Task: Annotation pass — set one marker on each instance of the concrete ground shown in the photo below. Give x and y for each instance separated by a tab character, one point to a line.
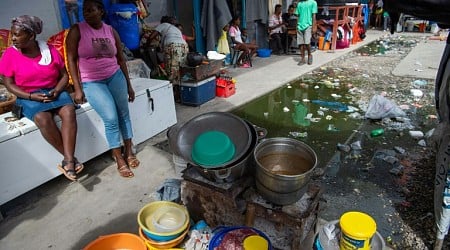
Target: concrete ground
64	215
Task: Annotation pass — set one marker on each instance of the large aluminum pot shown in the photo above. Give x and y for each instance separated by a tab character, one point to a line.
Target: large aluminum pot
233	126
242	167
284	165
279	198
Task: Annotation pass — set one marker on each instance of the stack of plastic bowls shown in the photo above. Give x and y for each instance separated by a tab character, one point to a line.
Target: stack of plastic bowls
163	224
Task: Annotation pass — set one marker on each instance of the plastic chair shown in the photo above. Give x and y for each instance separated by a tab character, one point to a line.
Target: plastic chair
235	56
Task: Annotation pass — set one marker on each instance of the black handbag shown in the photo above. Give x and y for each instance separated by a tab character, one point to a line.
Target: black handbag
17	111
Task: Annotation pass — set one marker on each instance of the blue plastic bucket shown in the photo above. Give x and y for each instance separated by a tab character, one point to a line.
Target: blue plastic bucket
123	18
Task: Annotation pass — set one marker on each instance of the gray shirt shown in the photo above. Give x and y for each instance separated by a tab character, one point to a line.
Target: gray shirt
169	34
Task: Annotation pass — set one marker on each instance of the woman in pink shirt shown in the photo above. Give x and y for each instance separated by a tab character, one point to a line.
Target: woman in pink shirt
99	71
35	73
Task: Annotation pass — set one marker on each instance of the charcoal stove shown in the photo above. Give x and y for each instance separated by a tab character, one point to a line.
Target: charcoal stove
238	203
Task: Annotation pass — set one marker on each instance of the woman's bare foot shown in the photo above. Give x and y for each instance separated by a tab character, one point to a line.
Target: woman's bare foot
123	168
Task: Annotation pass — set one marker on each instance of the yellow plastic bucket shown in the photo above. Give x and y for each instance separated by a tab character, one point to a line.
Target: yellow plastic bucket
357	229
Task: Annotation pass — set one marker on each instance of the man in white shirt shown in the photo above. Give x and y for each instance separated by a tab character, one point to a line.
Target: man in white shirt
276	26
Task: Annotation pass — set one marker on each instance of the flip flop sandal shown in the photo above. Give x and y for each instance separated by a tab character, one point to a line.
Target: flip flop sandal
78	166
310	60
125	171
68	173
133	162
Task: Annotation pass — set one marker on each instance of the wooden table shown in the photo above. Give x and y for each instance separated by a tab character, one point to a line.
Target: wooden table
343	15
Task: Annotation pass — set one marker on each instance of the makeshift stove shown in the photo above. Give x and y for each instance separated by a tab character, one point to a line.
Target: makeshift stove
238	203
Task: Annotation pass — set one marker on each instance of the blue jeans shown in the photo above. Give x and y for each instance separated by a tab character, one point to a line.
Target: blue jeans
109	98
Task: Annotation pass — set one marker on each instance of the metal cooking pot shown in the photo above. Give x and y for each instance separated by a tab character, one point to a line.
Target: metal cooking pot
241	167
234	127
284	165
279	198
194	59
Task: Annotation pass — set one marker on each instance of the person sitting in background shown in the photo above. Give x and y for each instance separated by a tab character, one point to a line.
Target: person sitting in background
248	49
244	35
276	32
290	20
174	46
35	73
186	38
99	71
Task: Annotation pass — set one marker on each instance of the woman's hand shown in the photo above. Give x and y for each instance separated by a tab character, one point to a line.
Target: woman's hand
40	97
78	97
131	94
52	95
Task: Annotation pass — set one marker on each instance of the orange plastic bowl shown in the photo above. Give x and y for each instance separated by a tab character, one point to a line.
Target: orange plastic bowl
117	241
151	244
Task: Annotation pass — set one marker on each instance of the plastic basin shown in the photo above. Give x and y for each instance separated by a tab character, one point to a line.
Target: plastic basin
264	52
151	244
213	148
145	221
117	241
220	232
168	219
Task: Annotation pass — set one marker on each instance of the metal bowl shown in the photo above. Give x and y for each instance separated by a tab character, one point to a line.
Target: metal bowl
234	127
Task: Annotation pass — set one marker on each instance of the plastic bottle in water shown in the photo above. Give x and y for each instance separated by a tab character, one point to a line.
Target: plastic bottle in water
377	132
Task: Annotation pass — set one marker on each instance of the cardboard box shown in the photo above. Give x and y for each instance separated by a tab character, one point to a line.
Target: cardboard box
199	92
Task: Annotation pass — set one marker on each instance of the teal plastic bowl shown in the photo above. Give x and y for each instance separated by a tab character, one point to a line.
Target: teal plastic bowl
212	148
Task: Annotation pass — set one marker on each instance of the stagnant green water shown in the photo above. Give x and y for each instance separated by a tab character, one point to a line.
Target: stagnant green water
286	112
283	111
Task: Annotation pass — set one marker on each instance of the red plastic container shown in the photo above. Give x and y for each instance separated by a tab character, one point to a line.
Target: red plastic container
224	88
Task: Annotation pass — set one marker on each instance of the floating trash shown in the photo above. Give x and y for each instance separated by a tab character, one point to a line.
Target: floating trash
420	83
332	128
299	134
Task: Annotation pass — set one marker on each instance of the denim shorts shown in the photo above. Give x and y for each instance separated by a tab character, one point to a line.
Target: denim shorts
30	108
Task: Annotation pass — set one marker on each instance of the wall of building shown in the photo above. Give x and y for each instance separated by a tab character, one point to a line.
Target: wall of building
47	10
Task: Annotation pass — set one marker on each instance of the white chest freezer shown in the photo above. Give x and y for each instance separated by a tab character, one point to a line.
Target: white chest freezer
153	110
27	160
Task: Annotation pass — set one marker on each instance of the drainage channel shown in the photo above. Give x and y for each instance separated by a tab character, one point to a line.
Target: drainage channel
316	109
